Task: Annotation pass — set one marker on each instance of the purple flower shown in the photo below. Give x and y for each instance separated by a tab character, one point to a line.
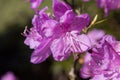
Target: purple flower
113	42
8	76
35	3
58	35
103	62
108	5
95	39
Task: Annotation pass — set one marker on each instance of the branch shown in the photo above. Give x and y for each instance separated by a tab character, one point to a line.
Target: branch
73	71
73	5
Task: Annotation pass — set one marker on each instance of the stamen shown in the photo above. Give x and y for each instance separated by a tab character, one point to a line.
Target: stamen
25	32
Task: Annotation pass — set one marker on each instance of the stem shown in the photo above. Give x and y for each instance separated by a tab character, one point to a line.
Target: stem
73	71
75	64
73	5
72	75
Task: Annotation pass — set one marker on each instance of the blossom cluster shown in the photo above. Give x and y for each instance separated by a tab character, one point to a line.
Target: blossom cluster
60	35
102	61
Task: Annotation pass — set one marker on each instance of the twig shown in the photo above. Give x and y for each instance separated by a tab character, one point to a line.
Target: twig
73	5
73	71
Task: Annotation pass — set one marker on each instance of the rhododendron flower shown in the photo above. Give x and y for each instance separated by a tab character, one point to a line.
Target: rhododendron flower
108	5
35	3
58	35
103	62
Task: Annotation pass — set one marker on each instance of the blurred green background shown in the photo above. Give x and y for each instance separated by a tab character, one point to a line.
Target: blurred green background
15	55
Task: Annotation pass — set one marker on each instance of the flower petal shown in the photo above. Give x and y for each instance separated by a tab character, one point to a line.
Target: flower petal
8	76
96	39
59	8
100	34
68	17
39	18
80	22
51	28
84	42
99	77
42	52
33	38
35	3
85	71
60	48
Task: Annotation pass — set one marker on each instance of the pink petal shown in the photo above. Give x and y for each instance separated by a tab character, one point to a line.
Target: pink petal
60	48
59	8
33	39
39	18
51	28
80	22
35	3
95	39
84	42
68	17
99	77
8	76
42	52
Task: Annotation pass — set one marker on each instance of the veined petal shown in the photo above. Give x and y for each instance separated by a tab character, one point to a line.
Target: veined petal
42	52
80	22
116	46
35	3
78	43
110	39
60	48
59	8
84	42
